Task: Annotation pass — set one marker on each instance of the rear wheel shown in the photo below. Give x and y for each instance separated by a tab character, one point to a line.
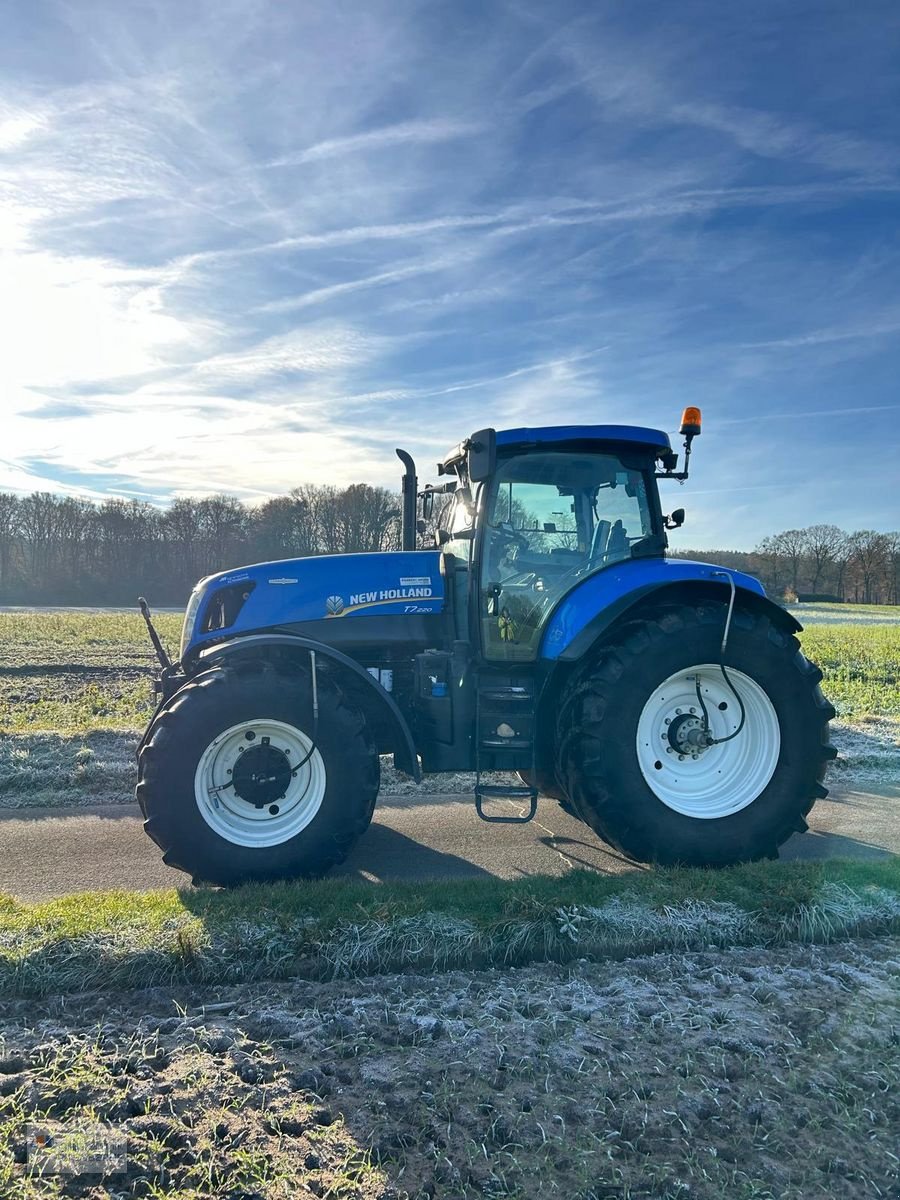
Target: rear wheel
238	781
548	785
665	782
544	781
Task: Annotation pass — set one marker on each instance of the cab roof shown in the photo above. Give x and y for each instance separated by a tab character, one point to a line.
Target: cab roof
654	438
548	435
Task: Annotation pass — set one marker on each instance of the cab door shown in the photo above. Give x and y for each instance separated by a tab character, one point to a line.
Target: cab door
550	520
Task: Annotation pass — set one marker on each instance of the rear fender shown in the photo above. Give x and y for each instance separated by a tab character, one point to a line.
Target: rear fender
592	609
371	696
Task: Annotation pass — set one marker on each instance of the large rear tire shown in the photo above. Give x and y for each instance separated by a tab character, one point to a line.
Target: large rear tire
634	773
239	782
544	781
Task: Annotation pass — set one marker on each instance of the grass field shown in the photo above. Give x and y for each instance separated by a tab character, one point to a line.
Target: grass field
74	692
748	1074
727	1063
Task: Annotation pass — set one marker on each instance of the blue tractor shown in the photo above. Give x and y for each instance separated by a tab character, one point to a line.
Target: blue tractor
663	702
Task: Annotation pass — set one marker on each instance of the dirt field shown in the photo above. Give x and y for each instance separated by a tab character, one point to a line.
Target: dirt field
750	1074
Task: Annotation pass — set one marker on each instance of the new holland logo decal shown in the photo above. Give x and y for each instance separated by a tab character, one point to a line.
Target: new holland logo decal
411	589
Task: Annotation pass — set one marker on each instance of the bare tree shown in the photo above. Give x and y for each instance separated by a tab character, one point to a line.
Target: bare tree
368	519
869	552
9	528
822	544
65	549
222	522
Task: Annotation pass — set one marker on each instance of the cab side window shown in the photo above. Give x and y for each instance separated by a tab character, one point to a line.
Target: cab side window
552	519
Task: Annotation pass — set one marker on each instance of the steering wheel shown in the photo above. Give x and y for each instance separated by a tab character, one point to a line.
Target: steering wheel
509	536
504	537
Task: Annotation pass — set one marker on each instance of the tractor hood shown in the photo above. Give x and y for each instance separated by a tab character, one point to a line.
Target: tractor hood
328	587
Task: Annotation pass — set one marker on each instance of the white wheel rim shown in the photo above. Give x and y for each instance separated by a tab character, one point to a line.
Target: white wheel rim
719	780
238	819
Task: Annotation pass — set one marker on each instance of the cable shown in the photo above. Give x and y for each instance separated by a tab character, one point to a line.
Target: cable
315	708
711	741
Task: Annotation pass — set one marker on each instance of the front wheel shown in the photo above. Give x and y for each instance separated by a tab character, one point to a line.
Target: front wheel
240	780
672	761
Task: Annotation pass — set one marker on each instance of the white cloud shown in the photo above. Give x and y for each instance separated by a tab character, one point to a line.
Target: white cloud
403	133
311	349
878	325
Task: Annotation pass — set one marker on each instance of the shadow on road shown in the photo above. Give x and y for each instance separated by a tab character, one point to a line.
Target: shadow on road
383	853
591	855
816	844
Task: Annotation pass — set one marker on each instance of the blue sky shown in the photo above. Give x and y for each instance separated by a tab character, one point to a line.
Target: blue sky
248	244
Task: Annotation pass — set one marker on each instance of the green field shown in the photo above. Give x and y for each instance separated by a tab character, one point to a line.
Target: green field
77	672
75	692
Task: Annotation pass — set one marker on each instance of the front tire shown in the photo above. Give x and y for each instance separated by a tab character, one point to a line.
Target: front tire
238	782
656	795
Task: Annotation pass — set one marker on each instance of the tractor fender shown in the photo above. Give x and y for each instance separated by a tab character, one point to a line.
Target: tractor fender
595	605
370	694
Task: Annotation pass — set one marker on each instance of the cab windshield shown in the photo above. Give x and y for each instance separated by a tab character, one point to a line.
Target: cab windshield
553	519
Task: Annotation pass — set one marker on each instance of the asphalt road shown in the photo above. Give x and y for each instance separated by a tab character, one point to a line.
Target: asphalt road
45	852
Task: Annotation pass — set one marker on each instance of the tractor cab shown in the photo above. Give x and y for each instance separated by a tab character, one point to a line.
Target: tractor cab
534	512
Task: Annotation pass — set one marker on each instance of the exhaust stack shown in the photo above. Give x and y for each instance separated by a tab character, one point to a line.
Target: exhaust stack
410	488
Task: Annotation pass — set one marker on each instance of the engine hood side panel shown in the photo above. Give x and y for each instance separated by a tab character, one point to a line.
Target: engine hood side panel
333	588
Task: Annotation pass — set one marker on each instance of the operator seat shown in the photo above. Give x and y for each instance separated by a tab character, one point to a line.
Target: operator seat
599	540
617	542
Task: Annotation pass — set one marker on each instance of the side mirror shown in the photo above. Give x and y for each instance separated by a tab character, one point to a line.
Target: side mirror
427	504
676	520
482	452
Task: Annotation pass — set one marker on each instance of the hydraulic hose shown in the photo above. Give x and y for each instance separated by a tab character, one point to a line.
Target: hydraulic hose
711	741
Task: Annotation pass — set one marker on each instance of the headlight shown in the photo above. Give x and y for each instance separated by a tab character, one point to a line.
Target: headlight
190	619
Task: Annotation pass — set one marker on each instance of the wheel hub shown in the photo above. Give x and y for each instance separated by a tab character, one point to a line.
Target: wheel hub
262	774
260	783
685	733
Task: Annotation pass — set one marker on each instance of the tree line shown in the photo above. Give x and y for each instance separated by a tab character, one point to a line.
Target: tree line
69	550
820	562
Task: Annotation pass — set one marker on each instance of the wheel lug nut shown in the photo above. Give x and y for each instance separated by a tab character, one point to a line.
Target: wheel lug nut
678	712
681	758
668	720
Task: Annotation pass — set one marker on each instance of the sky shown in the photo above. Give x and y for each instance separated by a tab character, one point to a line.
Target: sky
246	244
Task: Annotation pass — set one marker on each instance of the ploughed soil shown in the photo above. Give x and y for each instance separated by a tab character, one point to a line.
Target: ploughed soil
750	1073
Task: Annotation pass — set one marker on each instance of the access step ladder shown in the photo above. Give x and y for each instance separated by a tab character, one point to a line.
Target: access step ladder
505	732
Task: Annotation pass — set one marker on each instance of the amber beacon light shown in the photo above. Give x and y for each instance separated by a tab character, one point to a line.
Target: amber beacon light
691	421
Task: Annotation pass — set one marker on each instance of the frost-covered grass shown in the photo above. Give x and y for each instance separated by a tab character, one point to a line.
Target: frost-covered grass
82	638
335	928
868	752
862	614
749	1073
